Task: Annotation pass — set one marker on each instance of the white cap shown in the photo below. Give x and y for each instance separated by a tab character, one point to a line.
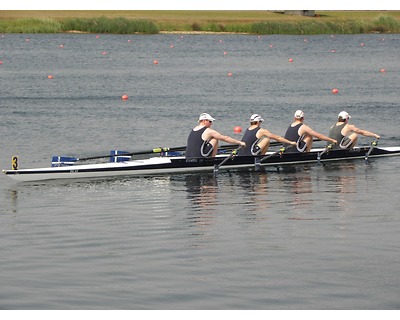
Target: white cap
206	116
344	115
256	118
299	114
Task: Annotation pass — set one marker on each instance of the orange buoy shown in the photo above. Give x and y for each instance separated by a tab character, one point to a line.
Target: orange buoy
290	60
383	70
237	129
335	91
50	76
230	74
104	53
124	97
1	62
155	61
225	53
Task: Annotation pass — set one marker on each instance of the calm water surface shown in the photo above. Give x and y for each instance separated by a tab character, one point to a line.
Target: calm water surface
311	237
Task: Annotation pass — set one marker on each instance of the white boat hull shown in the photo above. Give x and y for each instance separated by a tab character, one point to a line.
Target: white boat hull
169	165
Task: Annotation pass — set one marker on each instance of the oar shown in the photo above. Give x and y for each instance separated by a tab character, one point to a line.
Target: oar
150	151
280	152
231	156
257	161
277	143
326	150
155	150
235	146
58	161
373	145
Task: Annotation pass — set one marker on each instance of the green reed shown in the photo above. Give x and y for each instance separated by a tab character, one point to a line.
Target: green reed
384	24
110	25
30	25
89	25
121	25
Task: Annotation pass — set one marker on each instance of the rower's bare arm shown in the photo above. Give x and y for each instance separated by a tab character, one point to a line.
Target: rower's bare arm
281	139
227	139
364	132
320	136
233	141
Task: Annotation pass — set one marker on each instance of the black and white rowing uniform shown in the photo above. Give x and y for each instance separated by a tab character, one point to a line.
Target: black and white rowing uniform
196	147
292	134
336	133
251	140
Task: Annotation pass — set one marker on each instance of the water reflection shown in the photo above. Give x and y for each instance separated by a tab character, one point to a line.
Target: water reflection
301	189
297	191
202	191
13	200
343	179
256	198
312	189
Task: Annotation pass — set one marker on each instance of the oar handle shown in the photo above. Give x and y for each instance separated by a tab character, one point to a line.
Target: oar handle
374	143
280	152
231	155
326	150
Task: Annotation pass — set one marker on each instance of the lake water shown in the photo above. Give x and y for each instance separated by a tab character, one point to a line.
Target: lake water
311	237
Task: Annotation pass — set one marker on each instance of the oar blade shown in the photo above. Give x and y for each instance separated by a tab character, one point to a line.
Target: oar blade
119	156
63	161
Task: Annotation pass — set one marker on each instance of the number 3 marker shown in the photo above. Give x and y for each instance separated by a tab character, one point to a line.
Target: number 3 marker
15	163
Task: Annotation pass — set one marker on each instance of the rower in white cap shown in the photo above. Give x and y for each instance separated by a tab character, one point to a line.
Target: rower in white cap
302	134
347	134
258	139
203	141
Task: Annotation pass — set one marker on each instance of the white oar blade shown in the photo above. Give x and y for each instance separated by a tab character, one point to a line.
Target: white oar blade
62	161
119	156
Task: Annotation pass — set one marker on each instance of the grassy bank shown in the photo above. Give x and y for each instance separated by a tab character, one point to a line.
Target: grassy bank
88	25
152	22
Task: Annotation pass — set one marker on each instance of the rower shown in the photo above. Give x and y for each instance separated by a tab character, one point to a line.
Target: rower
203	141
257	139
302	134
347	134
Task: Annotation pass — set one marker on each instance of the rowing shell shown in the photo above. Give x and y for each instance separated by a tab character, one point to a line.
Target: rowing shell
162	165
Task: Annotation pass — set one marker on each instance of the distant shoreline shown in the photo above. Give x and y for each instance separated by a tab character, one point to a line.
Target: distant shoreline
199	22
201	32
